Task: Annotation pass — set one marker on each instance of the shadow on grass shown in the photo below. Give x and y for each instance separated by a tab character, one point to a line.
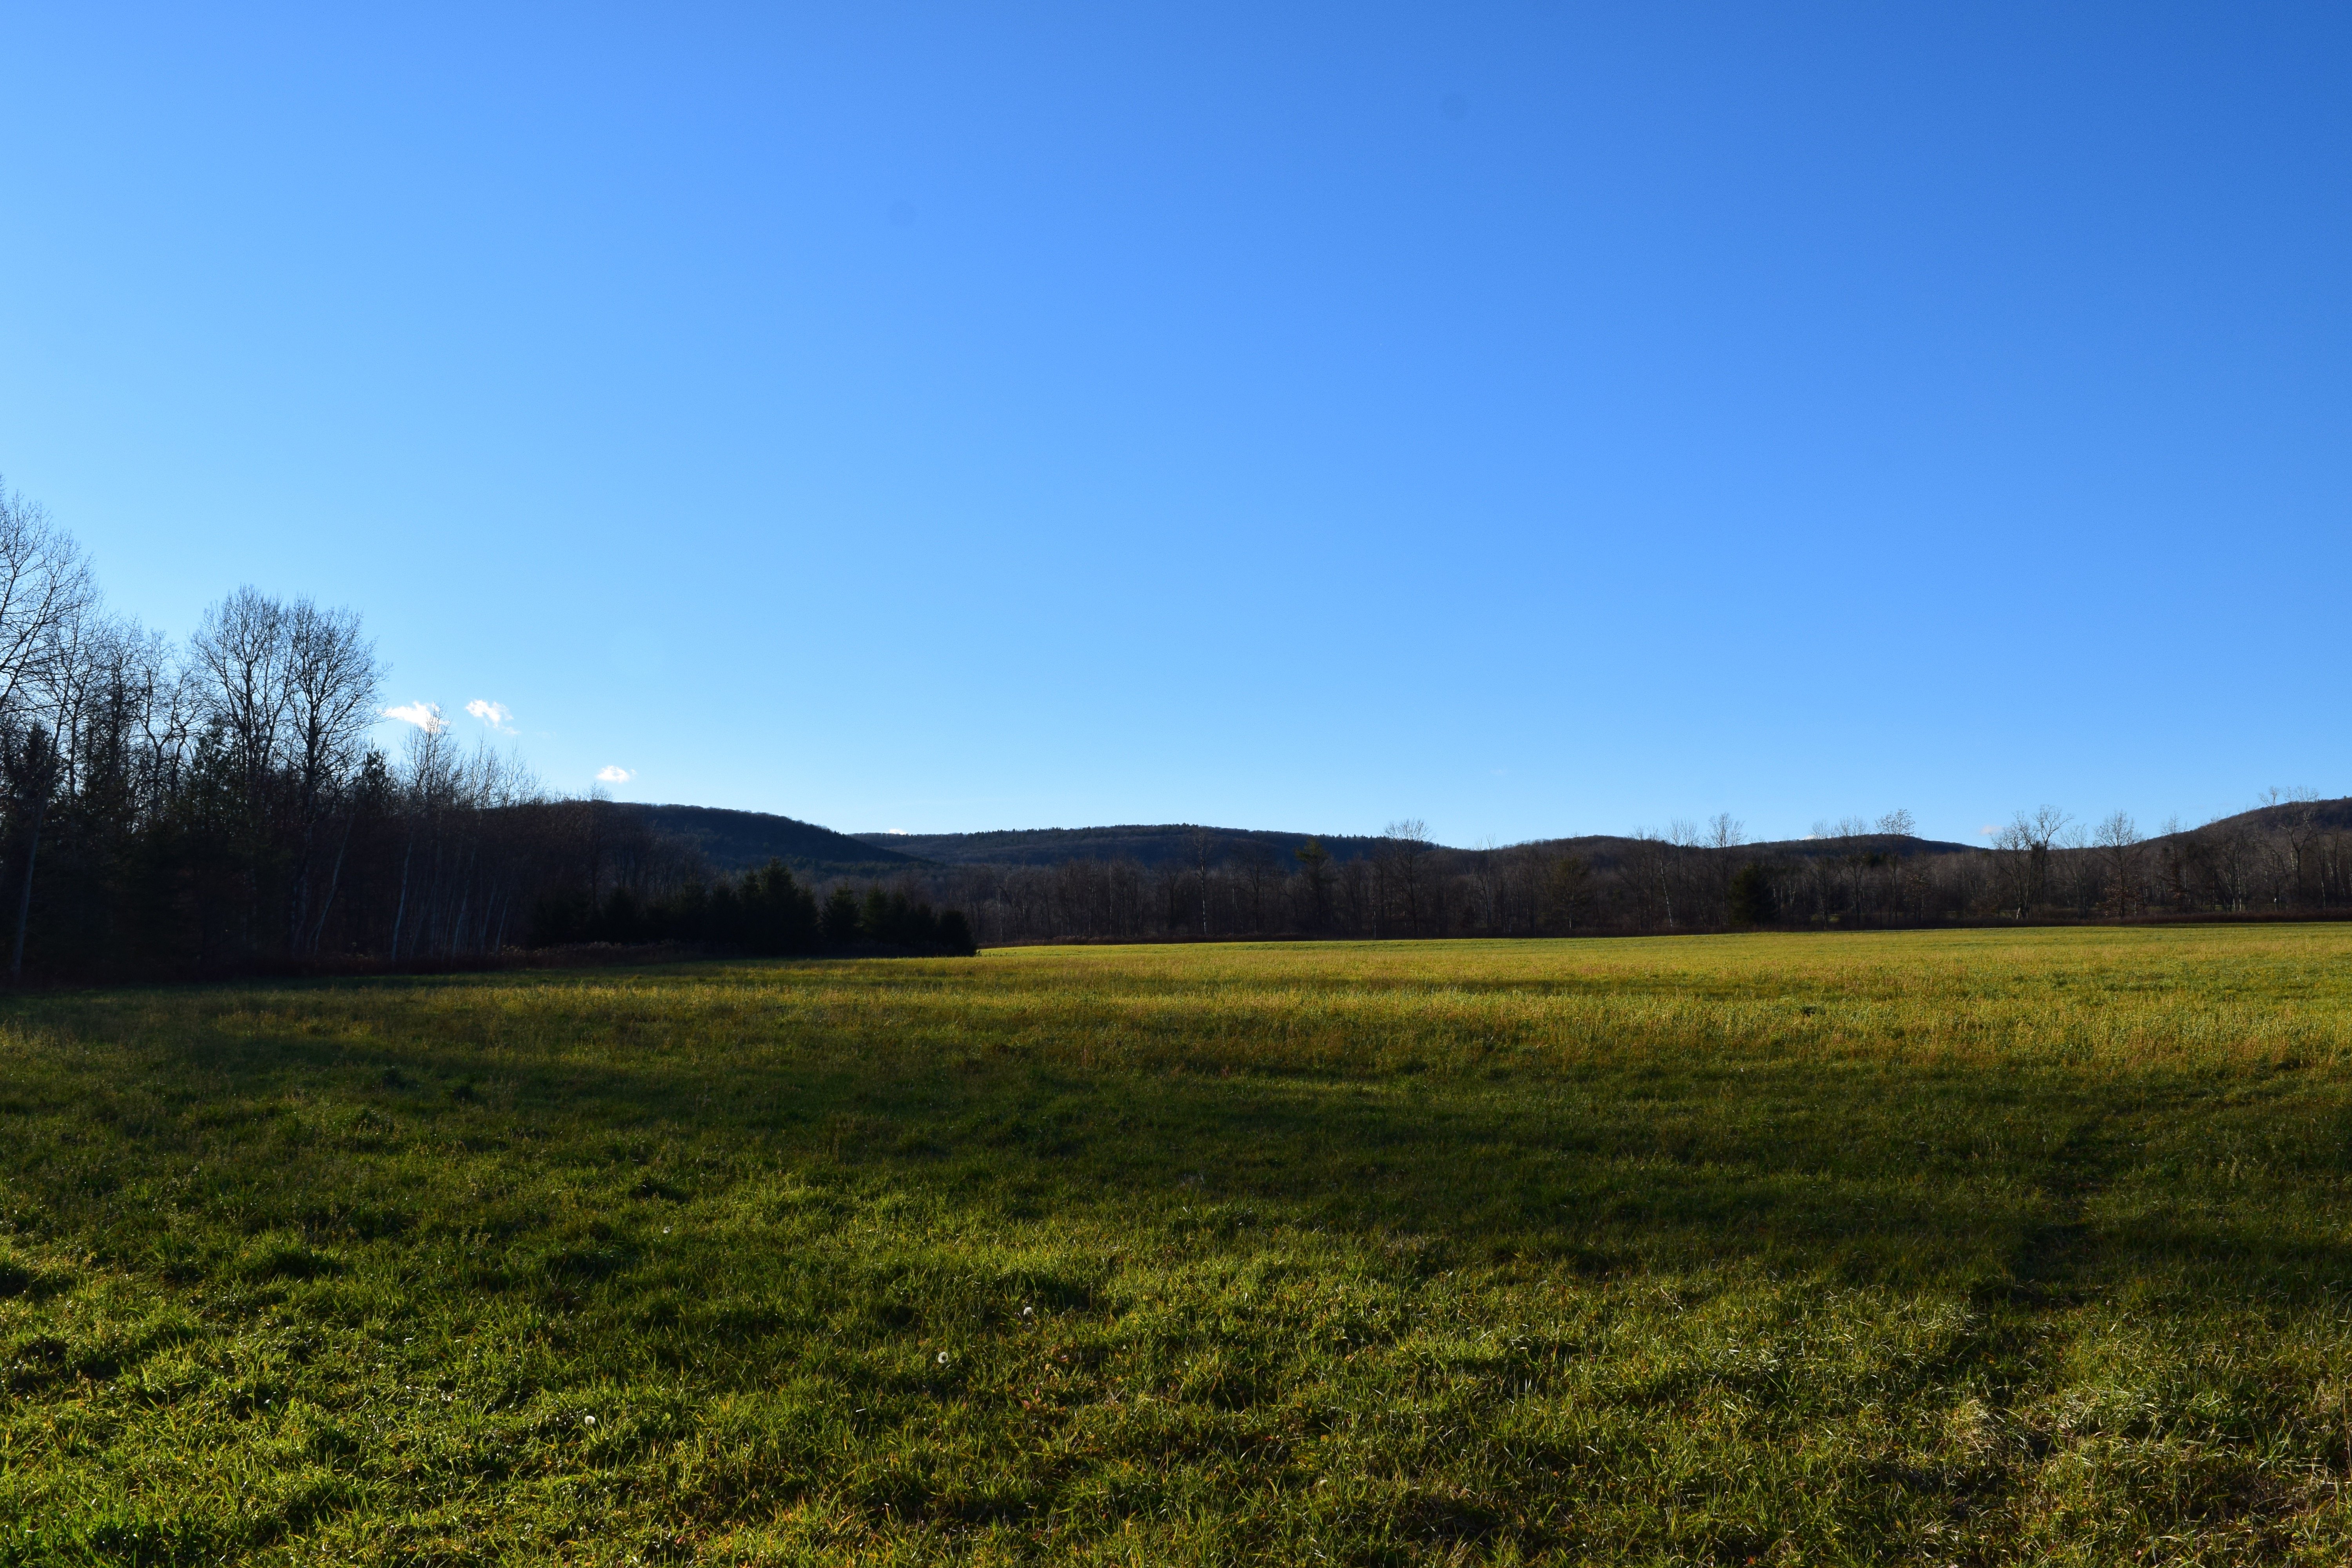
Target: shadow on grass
1968	1178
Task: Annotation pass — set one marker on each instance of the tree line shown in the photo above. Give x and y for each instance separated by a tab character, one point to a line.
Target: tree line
218	807
2291	857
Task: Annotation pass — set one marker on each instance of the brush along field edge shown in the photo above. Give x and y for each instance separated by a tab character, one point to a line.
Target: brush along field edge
1976	1248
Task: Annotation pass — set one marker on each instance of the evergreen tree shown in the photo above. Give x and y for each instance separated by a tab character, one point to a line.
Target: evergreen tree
955	934
1753	901
841	917
873	919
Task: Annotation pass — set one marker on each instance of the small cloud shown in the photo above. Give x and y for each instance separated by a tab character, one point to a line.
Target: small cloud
426	716
1988	830
497	715
615	774
898	832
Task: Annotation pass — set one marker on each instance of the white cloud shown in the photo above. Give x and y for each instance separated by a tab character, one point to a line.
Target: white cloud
615	774
497	715
426	716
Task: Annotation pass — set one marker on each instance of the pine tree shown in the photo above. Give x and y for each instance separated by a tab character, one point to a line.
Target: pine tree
841	916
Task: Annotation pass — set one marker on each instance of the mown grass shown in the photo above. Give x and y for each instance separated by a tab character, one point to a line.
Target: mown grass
1937	1248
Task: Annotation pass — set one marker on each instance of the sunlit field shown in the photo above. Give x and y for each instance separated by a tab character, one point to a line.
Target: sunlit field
1934	1248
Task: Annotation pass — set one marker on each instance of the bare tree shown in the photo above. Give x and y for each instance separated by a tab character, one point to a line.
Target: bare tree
2298	825
1650	862
1314	869
2230	853
2118	838
28	764
1567	890
1487	871
45	588
243	648
48	603
332	678
2174	865
1407	845
1360	897
1202	844
1257	872
426	785
2084	872
1724	833
2026	843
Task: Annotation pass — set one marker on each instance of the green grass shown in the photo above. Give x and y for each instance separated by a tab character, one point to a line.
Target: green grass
1934	1248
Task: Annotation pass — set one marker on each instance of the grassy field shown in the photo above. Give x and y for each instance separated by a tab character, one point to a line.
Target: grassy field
1935	1248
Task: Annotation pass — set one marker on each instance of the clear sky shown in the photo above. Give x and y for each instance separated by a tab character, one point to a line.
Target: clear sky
1536	418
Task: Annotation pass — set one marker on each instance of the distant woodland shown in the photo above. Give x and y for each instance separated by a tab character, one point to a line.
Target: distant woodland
216	806
2291	857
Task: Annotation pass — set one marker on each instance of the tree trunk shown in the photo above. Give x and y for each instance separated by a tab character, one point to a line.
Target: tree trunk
25	894
334	877
400	905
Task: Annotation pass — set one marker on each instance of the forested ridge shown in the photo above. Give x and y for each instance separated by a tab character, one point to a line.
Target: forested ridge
2292	856
219	806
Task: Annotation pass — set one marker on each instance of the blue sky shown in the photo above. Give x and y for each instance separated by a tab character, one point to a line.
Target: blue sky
1533	418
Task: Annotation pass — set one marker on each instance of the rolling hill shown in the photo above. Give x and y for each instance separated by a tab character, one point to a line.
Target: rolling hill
1161	845
1171	844
739	840
2327	816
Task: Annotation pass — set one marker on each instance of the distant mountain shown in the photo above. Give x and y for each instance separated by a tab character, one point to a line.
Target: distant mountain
1171	844
1865	843
2330	816
1165	844
1605	850
738	840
